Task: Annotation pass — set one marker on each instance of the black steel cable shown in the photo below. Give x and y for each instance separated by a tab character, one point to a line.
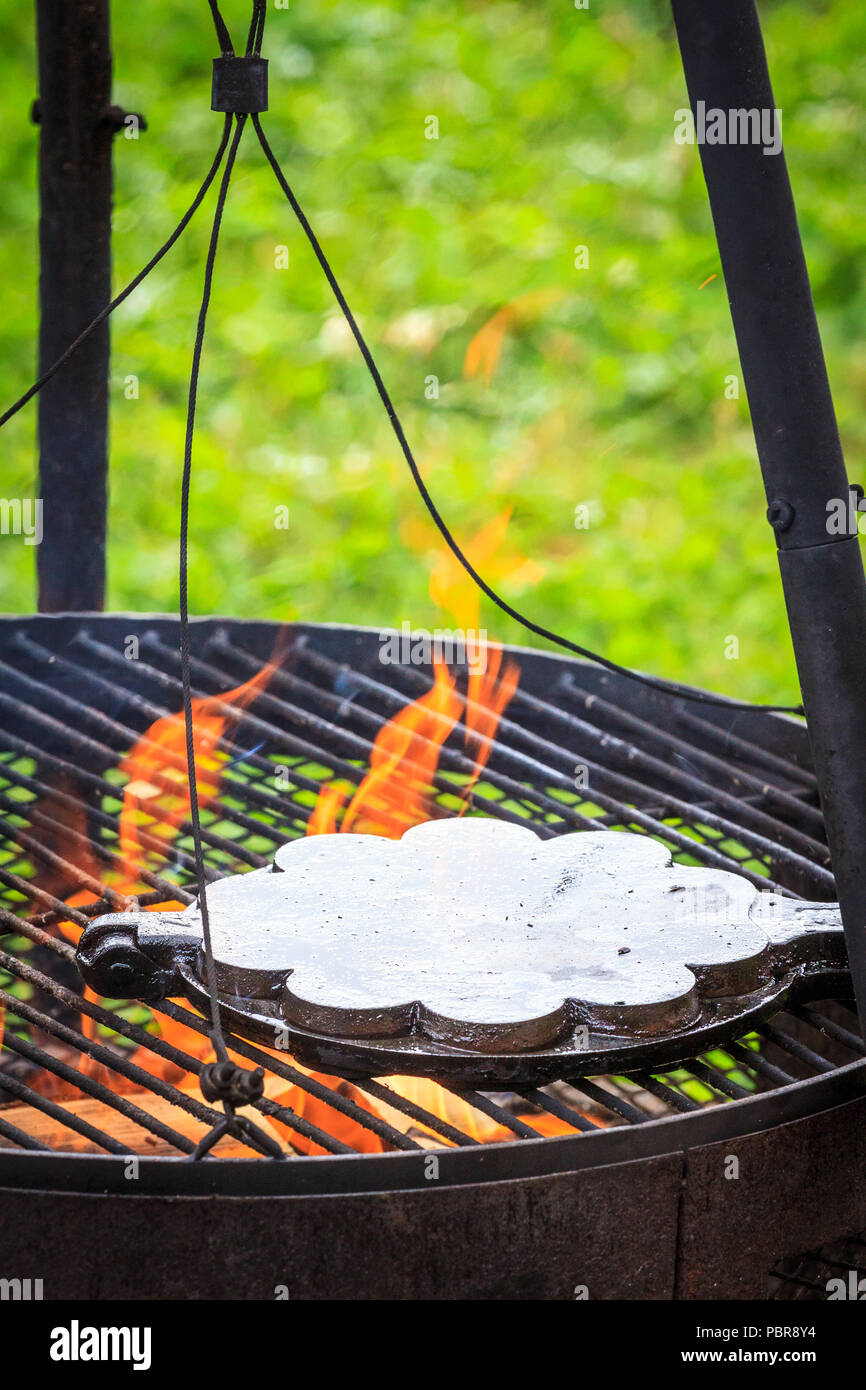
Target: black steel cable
210	972
254	37
257	29
540	631
223	36
133	284
224	1074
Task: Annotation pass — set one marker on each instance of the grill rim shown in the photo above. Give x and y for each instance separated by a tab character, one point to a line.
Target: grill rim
210	624
335	1174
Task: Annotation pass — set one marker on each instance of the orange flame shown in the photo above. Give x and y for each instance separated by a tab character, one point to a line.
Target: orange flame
156	799
489	551
156	802
451	588
334	1122
395	793
487	697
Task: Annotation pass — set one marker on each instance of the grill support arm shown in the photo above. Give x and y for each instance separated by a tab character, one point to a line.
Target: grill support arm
795	430
75	188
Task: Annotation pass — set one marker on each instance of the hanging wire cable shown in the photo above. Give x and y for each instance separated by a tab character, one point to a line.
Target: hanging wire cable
257	28
133	284
223	1081
224	38
698	697
219	1042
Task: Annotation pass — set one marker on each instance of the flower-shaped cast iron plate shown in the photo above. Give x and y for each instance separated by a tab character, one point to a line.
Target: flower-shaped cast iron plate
476	950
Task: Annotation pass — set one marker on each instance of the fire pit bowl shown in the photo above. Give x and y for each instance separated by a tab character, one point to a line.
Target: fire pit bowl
615	1182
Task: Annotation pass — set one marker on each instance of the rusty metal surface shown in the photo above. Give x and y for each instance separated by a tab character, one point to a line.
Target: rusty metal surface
676	1225
749	1201
541	1238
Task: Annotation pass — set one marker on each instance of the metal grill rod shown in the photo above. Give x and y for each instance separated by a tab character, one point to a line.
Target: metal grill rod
29	843
116	1062
682	842
717	1079
795	1048
360	747
18	1136
637	758
556	1107
747	1057
729	742
80	1079
63	1117
127	736
627	815
108	789
822	1024
146	840
765	790
627	785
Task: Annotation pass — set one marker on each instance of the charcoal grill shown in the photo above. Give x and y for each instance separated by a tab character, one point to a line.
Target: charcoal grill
634	1198
733	789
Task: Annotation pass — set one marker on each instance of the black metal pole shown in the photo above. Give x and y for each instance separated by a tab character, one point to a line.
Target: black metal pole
795	427
75	283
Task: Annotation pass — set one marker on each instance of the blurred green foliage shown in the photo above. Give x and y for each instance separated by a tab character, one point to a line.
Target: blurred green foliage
555	130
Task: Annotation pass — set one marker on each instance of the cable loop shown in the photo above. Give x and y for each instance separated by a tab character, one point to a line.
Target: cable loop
224	1081
254	36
